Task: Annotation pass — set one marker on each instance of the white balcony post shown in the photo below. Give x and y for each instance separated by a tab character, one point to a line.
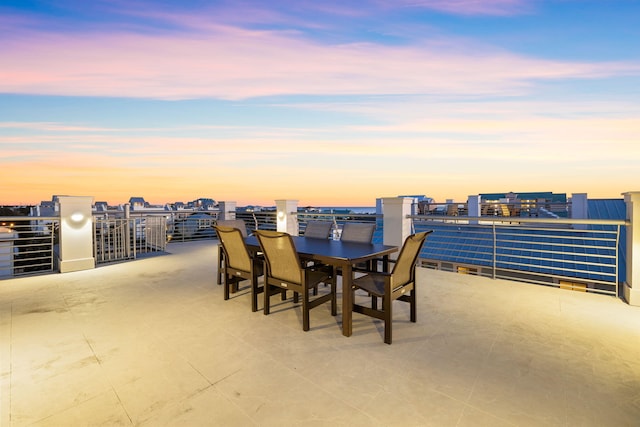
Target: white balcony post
7	251
227	210
397	227
473	208
579	209
128	228
76	234
631	288
286	216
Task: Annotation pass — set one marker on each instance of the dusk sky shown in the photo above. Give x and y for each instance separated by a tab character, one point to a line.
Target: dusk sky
332	103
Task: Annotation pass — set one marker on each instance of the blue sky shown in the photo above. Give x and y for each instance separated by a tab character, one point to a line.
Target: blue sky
329	103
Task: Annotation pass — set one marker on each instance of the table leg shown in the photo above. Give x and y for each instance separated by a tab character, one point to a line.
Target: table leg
347	303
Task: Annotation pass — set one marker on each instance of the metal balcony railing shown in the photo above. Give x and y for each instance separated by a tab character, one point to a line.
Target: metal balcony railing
27	245
187	226
120	239
575	254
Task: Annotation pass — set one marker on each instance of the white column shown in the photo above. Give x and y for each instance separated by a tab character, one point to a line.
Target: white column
397	227
128	229
76	234
286	216
473	208
7	236
227	210
631	288
579	209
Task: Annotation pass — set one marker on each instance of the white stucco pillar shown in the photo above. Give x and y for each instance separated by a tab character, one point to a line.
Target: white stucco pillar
397	227
286	216
76	234
473	208
227	210
579	209
7	237
631	288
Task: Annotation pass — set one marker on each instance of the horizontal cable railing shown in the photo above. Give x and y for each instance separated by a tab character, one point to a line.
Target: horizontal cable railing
187	226
261	220
27	245
520	208
576	254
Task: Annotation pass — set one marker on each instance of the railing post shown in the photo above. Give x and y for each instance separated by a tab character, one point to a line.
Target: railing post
76	234
631	288
128	226
579	209
286	217
397	225
7	237
227	210
473	208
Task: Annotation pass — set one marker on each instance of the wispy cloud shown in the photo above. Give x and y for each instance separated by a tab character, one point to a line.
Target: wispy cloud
470	7
235	63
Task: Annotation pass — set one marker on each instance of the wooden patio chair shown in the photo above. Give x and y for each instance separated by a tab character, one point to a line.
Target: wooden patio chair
357	232
284	271
238	264
233	223
397	285
318	229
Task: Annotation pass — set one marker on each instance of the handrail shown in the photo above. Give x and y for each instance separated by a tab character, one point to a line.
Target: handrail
583	253
515	219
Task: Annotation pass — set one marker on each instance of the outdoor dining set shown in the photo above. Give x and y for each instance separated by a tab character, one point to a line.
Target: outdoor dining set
302	263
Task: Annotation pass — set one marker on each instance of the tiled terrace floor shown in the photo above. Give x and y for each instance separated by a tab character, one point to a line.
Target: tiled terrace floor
152	342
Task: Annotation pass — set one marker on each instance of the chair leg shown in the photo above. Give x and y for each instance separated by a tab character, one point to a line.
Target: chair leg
386	306
220	263
412	304
254	292
226	286
267	293
334	296
305	310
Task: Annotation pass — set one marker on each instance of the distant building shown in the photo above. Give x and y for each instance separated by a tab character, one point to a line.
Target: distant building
137	203
101	206
203	204
536	204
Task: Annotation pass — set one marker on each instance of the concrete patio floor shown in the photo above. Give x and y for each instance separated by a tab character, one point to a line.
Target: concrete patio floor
152	343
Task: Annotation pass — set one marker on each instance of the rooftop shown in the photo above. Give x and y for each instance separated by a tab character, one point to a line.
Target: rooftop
151	342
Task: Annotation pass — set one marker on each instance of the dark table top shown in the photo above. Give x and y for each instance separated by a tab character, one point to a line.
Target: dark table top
332	251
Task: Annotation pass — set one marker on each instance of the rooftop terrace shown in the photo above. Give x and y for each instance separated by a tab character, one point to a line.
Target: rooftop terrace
151	342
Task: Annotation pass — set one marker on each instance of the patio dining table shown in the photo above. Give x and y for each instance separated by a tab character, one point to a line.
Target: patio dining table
342	255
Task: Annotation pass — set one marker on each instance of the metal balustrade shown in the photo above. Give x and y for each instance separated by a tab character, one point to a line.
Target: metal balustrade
120	239
586	255
574	254
262	220
27	245
186	226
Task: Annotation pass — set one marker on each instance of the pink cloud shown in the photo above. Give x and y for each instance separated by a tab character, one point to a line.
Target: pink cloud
470	7
232	63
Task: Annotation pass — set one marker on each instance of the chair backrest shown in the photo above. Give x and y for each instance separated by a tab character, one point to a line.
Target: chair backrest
280	255
318	229
234	223
404	269
234	247
357	232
